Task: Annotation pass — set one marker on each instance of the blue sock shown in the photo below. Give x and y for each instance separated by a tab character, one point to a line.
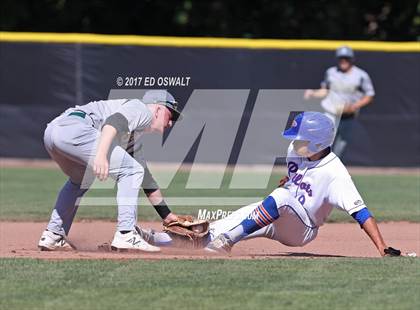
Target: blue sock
262	216
65	208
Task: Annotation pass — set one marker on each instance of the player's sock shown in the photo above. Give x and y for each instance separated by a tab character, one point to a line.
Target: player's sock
263	215
65	208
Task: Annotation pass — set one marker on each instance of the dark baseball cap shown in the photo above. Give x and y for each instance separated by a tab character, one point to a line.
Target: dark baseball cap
163	97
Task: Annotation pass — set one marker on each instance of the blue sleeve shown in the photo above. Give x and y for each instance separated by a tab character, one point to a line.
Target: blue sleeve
361	216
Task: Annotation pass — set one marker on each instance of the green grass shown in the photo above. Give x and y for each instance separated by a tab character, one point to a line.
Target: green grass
212	284
30	193
324	283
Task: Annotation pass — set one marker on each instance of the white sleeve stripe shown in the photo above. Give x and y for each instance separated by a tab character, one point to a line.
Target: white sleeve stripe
355	209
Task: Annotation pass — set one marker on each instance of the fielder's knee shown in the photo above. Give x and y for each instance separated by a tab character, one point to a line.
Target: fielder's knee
135	173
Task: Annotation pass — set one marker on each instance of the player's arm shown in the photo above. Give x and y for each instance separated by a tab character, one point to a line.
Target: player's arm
100	163
155	196
315	93
366	87
322	92
344	194
291	166
129	117
363	102
352	108
368	224
158	202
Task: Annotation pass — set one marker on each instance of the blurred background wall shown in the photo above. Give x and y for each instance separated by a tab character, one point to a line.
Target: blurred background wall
41	80
38	80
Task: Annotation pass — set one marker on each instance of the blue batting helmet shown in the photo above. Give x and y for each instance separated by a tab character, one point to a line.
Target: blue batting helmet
315	127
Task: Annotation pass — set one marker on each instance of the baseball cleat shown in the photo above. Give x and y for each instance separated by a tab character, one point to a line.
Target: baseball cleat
54	242
131	241
221	244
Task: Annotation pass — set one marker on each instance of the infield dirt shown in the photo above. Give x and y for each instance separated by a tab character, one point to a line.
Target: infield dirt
19	239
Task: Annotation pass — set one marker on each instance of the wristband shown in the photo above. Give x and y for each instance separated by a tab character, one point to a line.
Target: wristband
149	191
162	209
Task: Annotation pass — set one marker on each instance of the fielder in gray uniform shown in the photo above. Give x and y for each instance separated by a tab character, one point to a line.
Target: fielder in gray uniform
345	90
99	139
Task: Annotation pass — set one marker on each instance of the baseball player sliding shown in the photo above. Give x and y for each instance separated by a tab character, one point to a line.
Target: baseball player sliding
100	139
317	181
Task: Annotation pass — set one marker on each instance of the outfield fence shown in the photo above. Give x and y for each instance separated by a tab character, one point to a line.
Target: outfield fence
42	74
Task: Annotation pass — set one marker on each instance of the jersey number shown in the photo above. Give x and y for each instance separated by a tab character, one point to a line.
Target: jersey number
301	199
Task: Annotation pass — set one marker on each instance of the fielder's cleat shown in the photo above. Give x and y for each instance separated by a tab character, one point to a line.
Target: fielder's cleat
131	241
221	244
54	242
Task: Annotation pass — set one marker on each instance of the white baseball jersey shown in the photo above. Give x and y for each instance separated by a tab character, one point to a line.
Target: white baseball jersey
321	185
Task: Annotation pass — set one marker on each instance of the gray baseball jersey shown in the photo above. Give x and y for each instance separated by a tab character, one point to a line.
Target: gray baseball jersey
138	115
346	87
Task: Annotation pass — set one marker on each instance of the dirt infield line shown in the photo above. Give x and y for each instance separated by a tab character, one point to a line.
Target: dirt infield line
19	239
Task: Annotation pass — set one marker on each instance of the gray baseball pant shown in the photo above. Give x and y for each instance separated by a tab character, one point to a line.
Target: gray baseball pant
71	142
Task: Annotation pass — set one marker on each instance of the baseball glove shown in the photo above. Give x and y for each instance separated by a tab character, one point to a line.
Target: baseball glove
188	232
392	252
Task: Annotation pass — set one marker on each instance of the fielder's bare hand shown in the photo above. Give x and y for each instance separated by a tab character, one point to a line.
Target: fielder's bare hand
170	219
101	164
101	167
